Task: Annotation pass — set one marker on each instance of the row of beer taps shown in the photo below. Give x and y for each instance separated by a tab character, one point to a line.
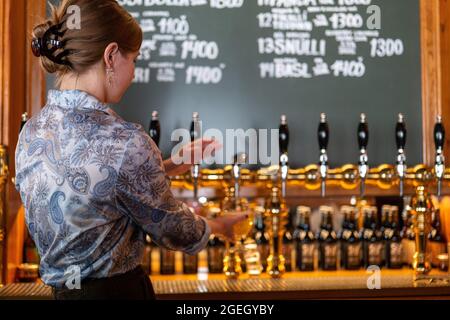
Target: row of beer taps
363	162
348	175
420	205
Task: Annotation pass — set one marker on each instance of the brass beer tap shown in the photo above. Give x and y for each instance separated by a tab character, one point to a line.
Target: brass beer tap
275	219
231	203
421	210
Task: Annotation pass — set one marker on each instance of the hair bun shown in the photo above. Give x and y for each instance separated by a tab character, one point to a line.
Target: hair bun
63	49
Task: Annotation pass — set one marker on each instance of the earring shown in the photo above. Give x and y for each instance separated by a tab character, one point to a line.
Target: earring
110	76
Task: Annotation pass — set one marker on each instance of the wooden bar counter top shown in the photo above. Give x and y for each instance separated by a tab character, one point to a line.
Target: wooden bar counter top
393	284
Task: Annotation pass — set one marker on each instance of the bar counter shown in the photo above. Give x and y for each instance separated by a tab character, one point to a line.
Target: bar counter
395	284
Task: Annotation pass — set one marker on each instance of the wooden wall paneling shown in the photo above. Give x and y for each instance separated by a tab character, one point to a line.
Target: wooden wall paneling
22	90
3	256
431	73
445	68
435	47
14	105
2	63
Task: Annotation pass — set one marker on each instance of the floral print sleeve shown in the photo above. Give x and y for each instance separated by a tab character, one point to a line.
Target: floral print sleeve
143	193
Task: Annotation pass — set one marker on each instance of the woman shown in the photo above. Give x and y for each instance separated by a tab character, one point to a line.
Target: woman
93	184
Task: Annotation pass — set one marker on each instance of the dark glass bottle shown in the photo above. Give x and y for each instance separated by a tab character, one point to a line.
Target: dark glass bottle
304	240
436	239
384	225
345	213
351	242
393	241
30	252
167	261
155	128
147	258
288	247
328	242
190	263
241	255
262	240
371	236
408	236
216	252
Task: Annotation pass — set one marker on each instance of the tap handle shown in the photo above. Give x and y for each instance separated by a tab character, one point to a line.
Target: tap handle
239	158
195	127
363	133
400	133
155	128
323	132
23	120
439	134
284	135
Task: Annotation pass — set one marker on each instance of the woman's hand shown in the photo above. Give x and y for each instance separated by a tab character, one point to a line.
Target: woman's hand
187	154
223	226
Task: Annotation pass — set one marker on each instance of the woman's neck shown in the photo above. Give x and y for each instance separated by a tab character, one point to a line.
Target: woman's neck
86	82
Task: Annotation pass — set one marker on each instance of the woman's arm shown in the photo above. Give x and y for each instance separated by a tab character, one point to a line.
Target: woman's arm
173	169
143	193
223	226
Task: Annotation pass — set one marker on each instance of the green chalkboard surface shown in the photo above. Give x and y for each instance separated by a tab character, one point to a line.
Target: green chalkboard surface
243	63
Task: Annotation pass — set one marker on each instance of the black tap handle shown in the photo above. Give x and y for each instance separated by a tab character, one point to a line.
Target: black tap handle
284	135
194	127
24	121
400	133
323	132
155	128
439	134
192	131
363	133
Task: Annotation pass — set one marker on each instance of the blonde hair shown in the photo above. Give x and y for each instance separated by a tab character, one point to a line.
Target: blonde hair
101	22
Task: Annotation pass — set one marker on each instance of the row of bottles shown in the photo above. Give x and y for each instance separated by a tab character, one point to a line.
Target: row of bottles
167	260
364	240
361	242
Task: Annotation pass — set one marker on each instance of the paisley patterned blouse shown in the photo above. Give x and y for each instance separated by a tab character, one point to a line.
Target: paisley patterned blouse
93	185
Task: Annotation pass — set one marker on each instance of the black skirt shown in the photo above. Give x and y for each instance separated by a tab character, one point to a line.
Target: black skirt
133	285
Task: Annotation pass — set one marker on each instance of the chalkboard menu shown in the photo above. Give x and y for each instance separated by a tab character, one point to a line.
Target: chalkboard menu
243	63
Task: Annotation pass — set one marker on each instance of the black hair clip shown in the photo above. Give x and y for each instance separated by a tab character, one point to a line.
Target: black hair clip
47	46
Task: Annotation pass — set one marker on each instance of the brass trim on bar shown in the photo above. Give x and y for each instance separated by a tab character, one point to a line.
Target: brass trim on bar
383	177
